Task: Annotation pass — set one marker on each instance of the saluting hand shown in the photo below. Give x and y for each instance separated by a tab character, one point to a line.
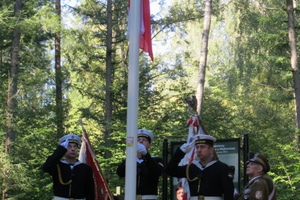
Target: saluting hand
65	144
141	149
187	147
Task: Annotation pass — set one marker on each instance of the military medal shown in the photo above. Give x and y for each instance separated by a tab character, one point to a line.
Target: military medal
258	195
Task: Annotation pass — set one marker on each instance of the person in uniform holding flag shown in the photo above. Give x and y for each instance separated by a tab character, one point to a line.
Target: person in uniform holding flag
72	180
149	168
261	186
208	178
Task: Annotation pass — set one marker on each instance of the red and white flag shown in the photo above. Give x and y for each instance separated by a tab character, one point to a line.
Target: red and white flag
145	42
87	156
189	157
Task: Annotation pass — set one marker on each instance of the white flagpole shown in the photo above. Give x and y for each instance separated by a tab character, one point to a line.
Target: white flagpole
132	100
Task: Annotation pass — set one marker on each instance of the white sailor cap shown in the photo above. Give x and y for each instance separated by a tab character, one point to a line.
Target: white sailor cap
72	139
145	133
204	139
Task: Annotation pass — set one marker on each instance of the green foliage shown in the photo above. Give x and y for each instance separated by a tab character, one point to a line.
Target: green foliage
286	171
248	89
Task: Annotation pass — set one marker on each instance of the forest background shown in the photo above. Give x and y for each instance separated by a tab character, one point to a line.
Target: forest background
52	74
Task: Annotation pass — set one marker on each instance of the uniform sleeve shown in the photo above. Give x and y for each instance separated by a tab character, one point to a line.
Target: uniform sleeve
259	190
121	169
227	184
54	159
91	185
173	169
155	164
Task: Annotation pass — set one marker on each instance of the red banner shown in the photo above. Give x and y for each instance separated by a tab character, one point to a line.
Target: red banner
87	156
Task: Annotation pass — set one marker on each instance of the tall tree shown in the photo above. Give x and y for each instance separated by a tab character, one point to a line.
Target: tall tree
13	78
108	85
294	62
203	55
58	73
12	85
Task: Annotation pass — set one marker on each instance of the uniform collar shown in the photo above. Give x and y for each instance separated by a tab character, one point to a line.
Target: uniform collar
198	164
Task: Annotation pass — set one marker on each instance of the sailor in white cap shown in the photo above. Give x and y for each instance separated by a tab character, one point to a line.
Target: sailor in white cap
149	168
207	177
72	180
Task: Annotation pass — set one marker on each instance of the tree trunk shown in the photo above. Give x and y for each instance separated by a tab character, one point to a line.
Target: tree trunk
108	95
12	89
294	62
58	75
203	55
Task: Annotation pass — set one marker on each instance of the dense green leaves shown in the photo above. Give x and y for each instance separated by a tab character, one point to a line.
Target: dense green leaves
248	89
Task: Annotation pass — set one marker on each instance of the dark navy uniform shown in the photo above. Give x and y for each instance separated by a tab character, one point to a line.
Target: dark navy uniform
75	183
209	181
149	169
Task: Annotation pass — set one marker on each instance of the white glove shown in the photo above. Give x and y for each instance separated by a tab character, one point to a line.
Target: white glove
187	147
141	149
65	144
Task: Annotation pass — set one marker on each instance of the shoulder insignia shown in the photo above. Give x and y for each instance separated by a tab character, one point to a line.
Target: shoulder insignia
258	195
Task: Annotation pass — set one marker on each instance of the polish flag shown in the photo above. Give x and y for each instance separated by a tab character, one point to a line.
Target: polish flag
145	42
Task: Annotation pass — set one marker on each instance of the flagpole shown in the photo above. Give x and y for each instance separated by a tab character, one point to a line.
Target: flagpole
132	100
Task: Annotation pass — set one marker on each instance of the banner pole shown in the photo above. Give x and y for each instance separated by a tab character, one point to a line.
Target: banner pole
132	100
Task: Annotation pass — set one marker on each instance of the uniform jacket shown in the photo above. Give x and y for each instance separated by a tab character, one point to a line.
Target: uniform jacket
149	169
214	177
82	185
260	187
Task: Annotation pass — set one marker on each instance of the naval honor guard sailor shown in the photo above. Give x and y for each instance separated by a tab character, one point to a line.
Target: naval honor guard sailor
149	168
207	176
72	180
